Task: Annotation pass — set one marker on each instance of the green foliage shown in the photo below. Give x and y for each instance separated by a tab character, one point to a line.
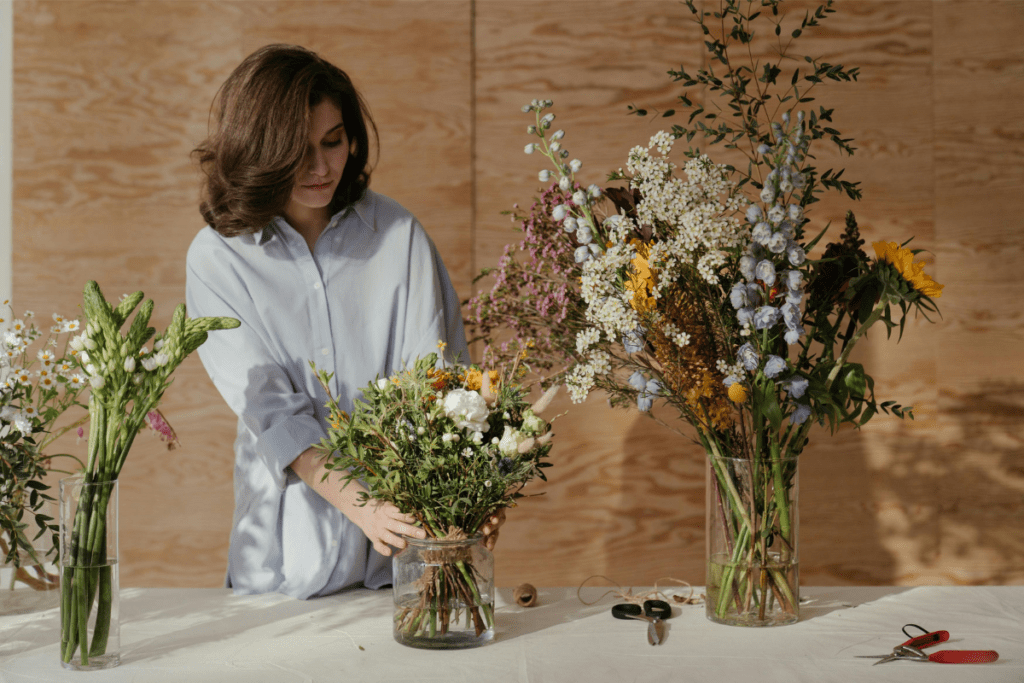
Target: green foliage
406	443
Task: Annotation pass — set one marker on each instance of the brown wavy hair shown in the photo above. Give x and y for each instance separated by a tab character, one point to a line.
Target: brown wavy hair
261	117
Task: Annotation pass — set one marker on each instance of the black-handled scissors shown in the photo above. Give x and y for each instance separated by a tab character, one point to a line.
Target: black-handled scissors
652	612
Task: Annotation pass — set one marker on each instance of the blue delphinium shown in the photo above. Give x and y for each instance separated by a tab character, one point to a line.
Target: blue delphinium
795	386
747	355
747	264
774	367
766	317
800	414
645	399
765	271
634	341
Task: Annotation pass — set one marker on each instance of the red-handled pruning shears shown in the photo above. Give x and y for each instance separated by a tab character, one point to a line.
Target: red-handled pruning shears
913	651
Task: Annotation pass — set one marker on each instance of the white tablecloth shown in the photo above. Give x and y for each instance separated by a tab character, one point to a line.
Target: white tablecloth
186	635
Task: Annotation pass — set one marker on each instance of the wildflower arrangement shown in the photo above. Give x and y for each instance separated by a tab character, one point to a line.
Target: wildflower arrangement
39	382
449	445
536	298
127	379
698	290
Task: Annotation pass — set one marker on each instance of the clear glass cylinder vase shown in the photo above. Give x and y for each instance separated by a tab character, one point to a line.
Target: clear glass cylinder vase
89	602
753	571
444	593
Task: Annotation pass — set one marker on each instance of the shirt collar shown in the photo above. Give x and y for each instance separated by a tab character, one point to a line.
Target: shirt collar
364	208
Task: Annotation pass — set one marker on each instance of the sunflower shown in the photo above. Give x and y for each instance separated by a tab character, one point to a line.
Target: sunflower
902	260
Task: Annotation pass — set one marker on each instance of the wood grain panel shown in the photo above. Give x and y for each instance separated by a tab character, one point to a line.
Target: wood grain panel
104	188
978	481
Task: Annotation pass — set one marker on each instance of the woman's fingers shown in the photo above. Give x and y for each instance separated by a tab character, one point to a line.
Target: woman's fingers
492	538
494	522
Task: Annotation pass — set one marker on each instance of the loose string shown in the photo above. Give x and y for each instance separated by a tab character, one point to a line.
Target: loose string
626	595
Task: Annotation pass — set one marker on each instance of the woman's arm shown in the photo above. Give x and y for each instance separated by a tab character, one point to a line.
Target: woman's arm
381	522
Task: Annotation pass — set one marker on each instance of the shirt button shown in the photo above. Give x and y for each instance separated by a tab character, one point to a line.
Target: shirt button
324	351
316	286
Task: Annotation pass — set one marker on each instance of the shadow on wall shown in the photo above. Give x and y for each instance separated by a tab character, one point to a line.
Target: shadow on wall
659	530
953	497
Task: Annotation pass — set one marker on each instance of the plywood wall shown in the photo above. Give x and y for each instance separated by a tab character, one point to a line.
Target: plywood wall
110	97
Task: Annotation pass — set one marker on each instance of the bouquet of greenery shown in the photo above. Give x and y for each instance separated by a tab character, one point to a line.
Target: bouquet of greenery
127	381
699	293
449	445
37	386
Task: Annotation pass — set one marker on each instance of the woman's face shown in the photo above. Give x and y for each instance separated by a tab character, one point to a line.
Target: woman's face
324	162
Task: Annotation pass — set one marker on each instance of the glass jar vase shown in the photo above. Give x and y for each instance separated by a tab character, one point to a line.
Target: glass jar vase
444	593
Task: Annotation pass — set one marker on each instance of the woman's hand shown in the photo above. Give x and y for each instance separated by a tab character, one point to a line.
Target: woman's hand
490	528
382	523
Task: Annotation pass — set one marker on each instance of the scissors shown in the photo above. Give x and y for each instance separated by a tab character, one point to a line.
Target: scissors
913	651
652	612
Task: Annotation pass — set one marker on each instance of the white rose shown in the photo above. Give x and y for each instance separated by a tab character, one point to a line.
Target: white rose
382	384
467	408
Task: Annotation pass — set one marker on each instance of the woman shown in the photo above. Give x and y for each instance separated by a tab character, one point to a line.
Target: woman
317	267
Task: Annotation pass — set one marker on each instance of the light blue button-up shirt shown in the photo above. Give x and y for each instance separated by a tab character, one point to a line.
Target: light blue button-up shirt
371	297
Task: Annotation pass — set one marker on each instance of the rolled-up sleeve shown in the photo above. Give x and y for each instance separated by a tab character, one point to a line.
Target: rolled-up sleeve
242	366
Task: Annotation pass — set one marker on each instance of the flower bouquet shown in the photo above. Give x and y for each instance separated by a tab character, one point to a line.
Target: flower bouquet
36	389
449	445
697	292
127	381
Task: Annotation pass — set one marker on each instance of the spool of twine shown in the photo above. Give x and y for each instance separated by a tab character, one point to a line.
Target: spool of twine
525	595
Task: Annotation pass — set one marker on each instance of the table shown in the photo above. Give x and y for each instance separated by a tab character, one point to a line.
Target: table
170	634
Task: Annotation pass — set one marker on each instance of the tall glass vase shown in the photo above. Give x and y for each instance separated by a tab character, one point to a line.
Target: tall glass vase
753	576
89	605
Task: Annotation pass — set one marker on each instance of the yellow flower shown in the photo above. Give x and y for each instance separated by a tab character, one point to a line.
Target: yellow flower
474	379
641	279
903	260
737	392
